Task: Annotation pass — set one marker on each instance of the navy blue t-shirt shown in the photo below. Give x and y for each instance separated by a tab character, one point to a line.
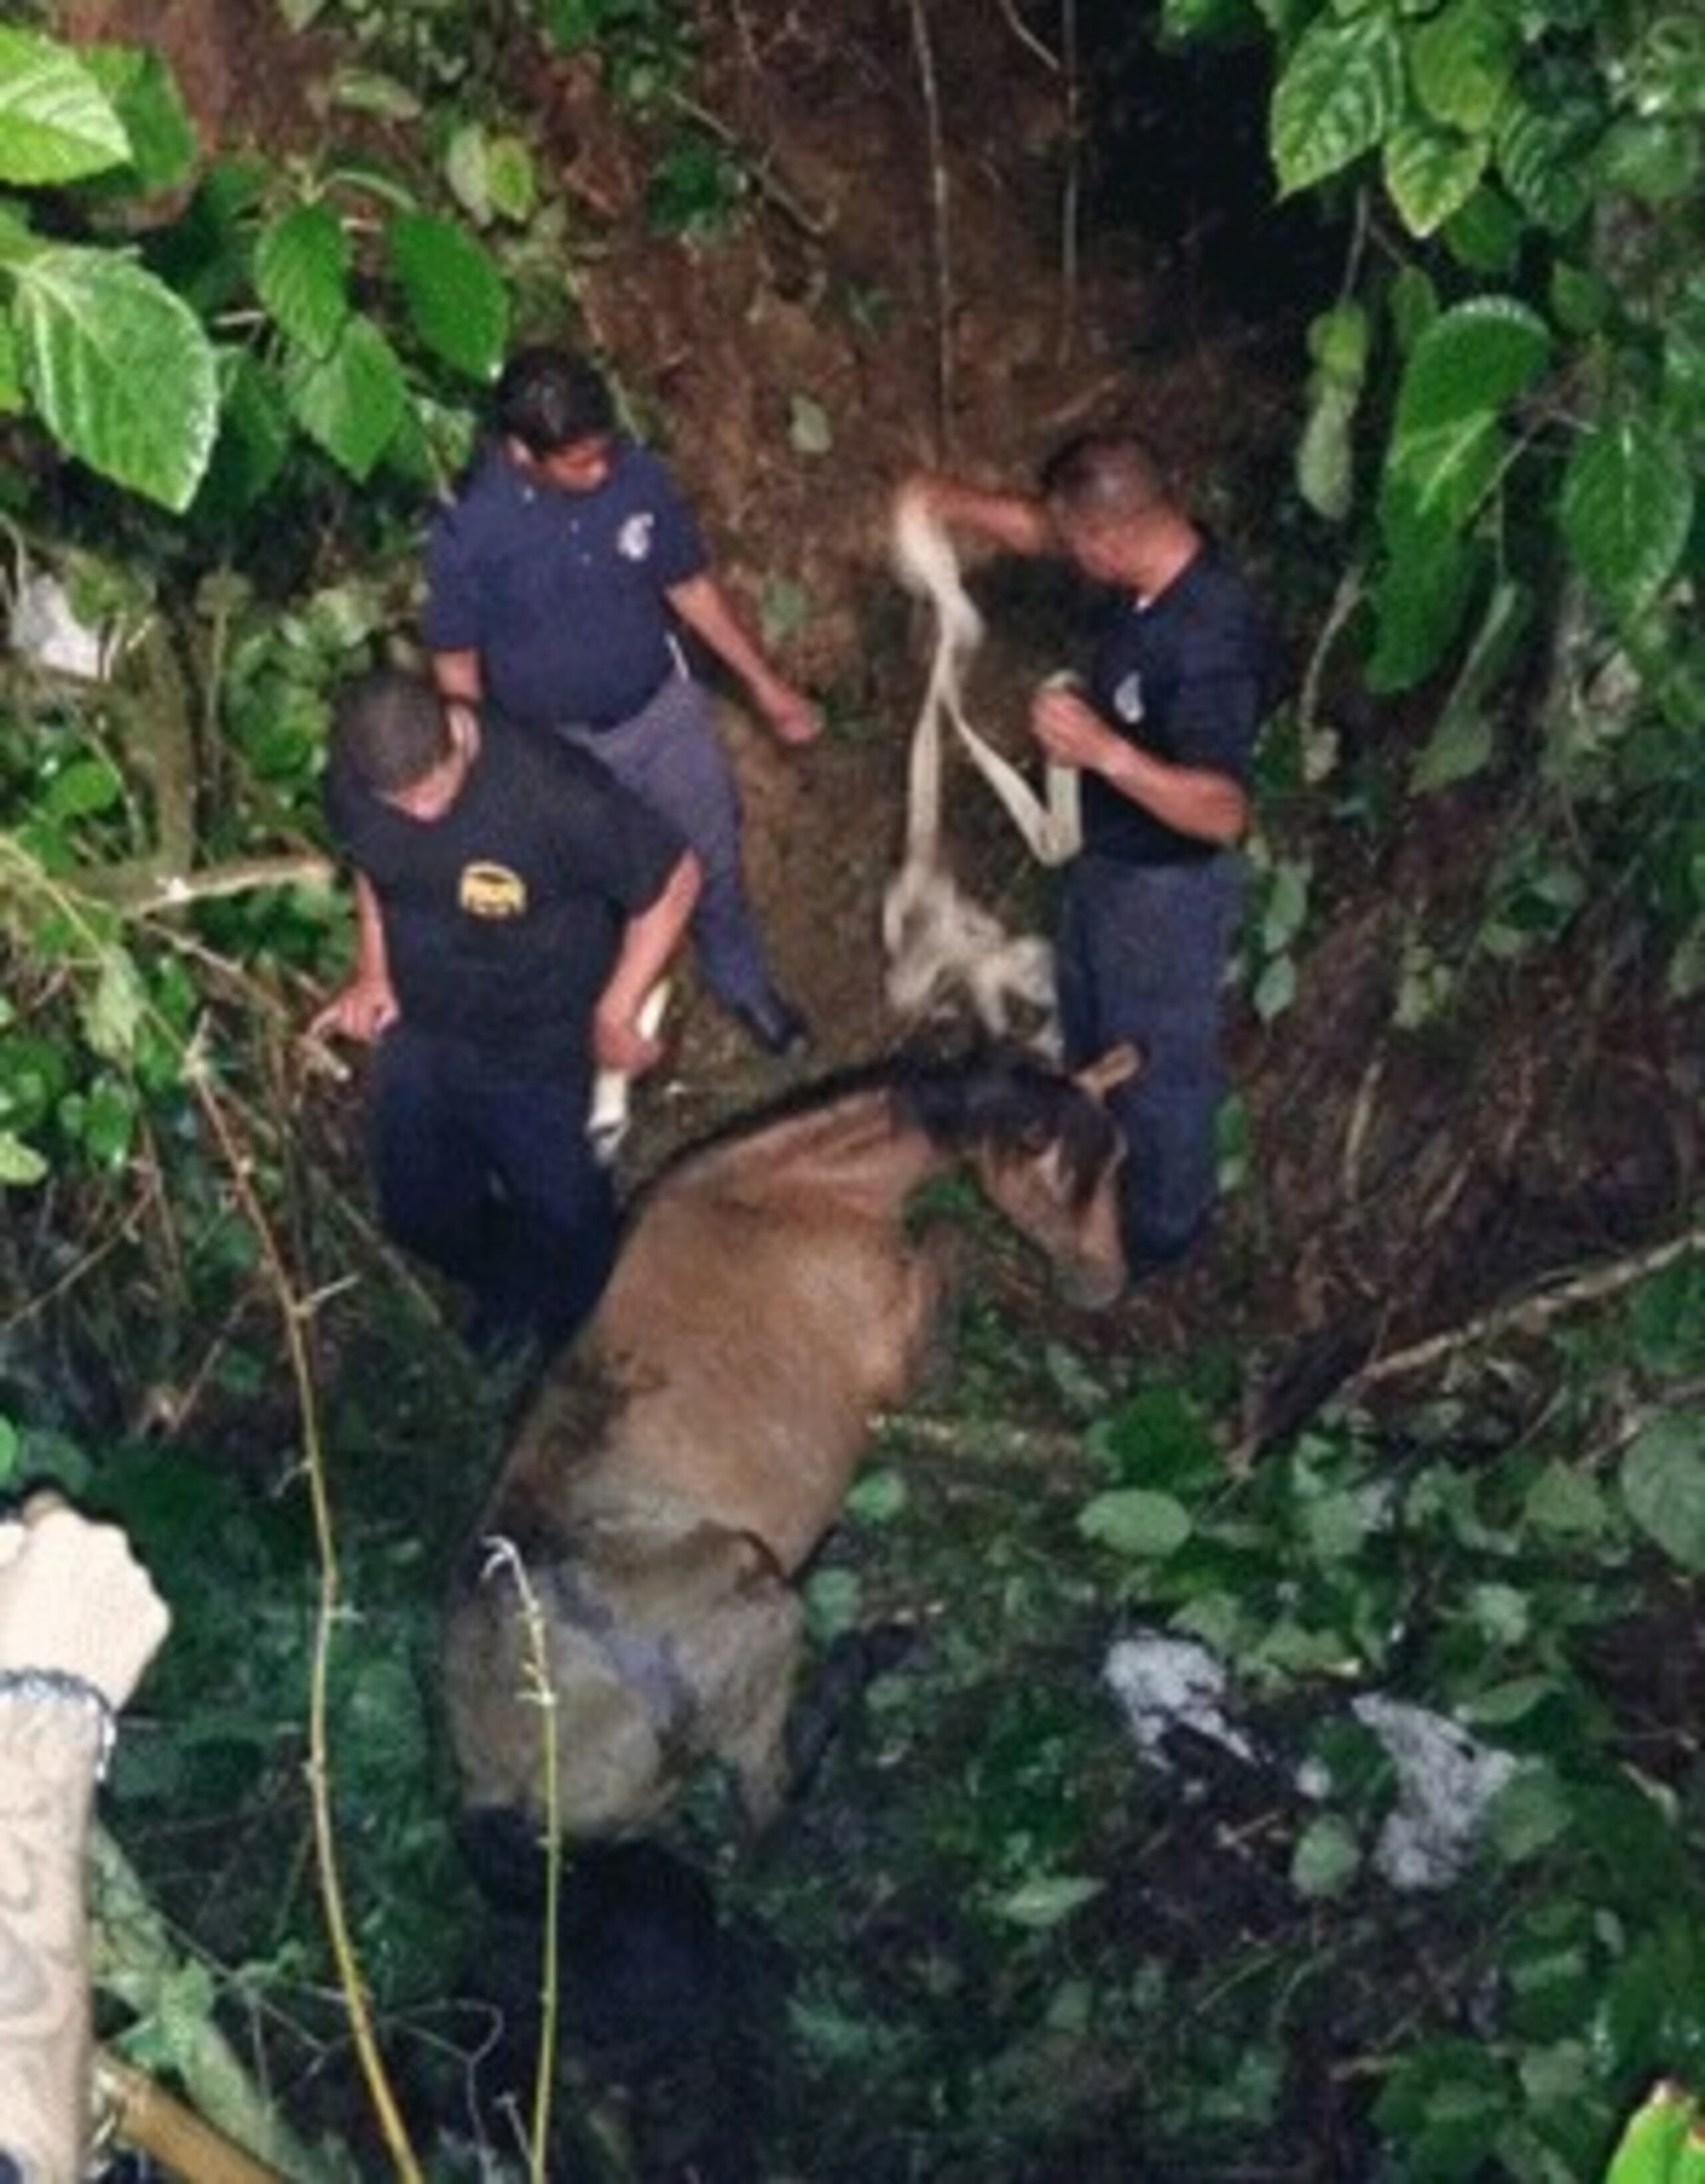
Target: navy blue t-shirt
503	918
562	594
1183	678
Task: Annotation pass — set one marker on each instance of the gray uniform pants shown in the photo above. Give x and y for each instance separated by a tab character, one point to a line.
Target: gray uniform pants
671	757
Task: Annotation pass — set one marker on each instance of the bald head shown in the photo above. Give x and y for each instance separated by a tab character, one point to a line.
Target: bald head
1110	501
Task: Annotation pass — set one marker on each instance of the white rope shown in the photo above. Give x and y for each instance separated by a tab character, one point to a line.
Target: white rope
941	945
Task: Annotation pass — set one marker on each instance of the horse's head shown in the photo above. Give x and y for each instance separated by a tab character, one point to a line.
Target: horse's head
1047	1154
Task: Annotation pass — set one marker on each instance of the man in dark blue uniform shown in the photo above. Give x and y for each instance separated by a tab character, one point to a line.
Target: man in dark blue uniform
1164	736
514	904
558	581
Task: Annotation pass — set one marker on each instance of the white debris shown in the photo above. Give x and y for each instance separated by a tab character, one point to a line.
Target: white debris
46	630
1446	1780
1168	1683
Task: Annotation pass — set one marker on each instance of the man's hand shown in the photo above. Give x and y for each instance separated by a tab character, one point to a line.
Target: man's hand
793	717
619	1043
1070	731
365	1008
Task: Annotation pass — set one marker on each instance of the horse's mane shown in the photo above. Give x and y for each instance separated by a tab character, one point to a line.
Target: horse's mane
995	1094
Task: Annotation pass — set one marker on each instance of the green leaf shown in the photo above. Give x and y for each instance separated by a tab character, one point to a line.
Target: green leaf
1459	747
302	275
465	165
1325	456
1275	990
1461	61
145	95
1653	160
512	180
809	433
18	1164
1628	503
1419	600
371	90
456	302
254	434
1134	1520
112	1015
120	369
1431	172
1338	95
56	123
1338	343
877	1498
86	786
1663	1485
1540	159
1326	1860
12	394
1486	235
351	402
1047	1900
1469	361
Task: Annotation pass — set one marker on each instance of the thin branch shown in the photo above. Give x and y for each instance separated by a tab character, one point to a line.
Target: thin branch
1027	37
1072	190
294	1315
141	889
1528	1313
757	165
924	53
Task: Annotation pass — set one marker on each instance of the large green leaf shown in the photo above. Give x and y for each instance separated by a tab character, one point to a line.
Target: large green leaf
302	275
254	432
1663	1485
1542	159
1628	500
456	298
1431	172
1340	92
56	123
1419	603
1471	359
120	369
1442	474
351	402
1461	61
145	95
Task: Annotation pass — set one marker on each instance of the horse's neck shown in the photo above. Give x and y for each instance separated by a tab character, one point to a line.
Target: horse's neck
854	1147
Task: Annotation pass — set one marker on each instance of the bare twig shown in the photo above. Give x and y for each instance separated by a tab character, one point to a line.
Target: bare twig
295	1322
1027	37
924	53
1071	189
1528	1313
541	1691
758	165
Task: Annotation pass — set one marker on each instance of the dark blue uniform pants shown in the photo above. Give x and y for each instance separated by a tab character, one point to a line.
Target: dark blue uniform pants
490	1178
1140	954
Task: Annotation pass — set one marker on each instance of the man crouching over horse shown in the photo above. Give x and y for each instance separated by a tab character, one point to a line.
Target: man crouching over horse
634	1567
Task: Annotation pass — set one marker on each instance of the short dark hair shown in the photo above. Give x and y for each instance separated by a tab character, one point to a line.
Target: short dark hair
1104	477
388	731
548	399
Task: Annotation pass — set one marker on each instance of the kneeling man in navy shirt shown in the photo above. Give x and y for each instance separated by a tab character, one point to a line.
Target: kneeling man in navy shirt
514	905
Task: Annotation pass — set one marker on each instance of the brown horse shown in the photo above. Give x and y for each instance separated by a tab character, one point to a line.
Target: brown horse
686	1454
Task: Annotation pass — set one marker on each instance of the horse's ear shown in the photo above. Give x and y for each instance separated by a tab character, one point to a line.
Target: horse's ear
1116	1067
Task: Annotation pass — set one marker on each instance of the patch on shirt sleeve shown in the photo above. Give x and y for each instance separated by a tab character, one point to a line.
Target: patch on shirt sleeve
633	539
492	891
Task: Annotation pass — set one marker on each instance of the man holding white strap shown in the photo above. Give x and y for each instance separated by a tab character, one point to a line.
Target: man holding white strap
1163	735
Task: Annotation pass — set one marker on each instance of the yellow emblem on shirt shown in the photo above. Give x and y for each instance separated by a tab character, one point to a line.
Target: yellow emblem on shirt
492	891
